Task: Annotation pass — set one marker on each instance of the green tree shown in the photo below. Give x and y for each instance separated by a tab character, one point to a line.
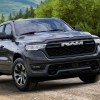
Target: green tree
2	18
26	15
31	12
10	17
16	16
20	15
44	10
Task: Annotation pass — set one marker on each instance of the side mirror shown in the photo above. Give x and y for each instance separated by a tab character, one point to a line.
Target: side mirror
77	28
4	36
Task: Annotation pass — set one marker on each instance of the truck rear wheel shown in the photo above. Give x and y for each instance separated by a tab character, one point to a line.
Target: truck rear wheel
90	79
21	79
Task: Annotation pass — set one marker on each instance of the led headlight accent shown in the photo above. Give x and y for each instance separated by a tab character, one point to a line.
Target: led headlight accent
35	47
97	41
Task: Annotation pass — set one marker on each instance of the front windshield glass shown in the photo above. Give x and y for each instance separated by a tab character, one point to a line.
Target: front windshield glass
40	25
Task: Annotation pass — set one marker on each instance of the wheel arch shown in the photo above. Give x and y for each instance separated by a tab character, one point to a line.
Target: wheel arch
16	56
19	55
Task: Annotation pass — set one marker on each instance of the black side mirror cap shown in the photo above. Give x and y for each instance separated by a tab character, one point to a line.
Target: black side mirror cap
77	28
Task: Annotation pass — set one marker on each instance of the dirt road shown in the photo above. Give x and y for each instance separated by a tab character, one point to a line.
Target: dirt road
67	89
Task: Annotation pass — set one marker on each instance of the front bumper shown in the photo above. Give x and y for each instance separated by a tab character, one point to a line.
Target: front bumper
38	64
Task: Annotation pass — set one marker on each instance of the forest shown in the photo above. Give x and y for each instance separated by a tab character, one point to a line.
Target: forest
82	13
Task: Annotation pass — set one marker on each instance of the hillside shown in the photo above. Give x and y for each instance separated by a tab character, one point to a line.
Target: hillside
9	6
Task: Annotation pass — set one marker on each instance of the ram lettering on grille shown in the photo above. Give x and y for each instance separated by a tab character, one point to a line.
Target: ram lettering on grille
72	43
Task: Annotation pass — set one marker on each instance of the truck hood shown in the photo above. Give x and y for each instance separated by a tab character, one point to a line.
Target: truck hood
43	36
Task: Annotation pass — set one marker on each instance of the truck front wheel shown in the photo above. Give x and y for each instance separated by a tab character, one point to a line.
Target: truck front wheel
21	79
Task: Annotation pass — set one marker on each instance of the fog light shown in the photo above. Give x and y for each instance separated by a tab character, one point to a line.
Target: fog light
37	67
94	67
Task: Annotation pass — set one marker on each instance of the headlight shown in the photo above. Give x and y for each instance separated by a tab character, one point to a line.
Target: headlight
97	41
35	47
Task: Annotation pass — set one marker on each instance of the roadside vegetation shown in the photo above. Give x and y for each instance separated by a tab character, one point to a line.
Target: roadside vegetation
83	13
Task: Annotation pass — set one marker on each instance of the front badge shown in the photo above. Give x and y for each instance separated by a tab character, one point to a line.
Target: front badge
72	43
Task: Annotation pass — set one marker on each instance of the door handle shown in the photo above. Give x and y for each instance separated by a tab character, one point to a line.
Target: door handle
1	46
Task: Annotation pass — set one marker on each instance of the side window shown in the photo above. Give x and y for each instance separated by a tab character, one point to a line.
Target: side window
8	29
1	28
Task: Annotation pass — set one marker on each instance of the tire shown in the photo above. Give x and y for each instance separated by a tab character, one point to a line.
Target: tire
20	77
90	79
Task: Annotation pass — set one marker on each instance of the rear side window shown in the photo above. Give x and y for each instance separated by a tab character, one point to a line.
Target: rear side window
8	29
1	28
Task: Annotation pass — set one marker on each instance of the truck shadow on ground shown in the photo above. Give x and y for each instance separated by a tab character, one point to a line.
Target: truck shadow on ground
7	86
56	85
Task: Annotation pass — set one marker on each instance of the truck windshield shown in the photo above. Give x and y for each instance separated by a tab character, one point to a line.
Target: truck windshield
40	25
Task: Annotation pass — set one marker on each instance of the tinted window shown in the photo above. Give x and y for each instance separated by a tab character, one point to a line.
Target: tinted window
8	29
39	25
1	28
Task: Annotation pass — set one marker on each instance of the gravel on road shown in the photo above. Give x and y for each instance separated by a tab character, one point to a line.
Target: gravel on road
66	89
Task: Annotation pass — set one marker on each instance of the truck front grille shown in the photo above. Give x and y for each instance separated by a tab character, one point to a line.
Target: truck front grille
56	50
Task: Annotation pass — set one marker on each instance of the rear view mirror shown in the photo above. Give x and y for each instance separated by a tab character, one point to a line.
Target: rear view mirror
77	28
4	36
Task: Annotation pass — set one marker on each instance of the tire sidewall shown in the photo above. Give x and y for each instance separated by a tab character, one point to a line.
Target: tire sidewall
19	60
90	79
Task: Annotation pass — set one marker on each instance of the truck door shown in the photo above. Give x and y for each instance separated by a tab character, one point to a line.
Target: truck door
5	50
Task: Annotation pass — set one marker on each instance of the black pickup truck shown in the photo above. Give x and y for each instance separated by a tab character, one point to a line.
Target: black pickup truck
41	49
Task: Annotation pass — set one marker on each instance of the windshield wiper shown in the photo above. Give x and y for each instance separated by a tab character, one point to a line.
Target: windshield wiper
41	31
51	30
56	30
28	33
